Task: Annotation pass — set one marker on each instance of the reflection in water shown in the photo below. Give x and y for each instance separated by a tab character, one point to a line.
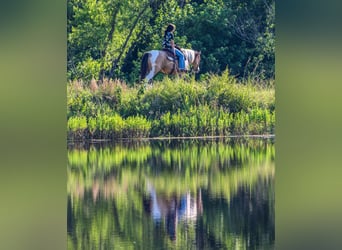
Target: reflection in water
171	194
173	210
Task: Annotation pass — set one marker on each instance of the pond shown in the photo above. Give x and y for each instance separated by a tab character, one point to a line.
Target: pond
171	194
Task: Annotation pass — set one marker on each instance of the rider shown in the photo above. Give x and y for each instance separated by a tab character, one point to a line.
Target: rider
168	43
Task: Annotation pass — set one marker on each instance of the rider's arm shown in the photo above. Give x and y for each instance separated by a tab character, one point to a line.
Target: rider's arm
172	42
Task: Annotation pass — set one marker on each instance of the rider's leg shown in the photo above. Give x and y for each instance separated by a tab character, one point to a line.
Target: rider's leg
181	59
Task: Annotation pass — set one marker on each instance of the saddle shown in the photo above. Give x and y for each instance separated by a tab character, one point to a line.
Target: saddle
171	55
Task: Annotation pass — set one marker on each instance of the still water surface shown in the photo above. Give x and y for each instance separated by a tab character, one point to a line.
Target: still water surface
178	194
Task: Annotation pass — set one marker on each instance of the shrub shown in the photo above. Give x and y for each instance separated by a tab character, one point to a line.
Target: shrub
136	126
217	105
76	127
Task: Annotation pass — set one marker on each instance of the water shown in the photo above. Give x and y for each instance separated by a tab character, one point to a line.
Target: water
186	194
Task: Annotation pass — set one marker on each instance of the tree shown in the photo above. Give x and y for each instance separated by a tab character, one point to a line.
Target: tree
100	34
238	35
106	38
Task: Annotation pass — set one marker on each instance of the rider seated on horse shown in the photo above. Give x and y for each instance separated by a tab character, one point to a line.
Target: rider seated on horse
168	43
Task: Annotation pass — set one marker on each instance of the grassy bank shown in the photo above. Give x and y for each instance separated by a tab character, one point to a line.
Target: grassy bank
215	106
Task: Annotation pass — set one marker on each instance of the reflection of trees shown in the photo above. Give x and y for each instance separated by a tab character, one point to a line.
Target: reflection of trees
175	155
248	219
236	179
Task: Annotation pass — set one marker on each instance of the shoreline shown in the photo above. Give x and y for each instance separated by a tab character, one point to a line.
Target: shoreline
265	136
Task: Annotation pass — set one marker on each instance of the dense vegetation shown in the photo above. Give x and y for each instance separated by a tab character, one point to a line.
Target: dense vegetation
216	106
106	38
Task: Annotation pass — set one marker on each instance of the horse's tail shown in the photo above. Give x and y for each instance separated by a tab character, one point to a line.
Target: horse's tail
144	68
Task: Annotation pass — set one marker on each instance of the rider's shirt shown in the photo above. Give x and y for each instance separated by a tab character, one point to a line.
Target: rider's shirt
167	40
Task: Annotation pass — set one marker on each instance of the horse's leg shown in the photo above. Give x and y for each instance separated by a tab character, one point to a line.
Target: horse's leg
151	74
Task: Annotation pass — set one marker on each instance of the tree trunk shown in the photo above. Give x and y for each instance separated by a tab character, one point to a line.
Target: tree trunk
109	40
117	60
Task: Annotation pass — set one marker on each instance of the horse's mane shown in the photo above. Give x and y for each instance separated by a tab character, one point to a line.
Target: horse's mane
189	54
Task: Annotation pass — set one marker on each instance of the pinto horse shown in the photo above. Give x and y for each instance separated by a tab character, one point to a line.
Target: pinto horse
156	61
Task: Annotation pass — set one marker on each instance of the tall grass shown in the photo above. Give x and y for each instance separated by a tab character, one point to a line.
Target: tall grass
215	106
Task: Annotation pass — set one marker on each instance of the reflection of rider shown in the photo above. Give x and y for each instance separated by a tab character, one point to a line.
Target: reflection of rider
172	209
168	43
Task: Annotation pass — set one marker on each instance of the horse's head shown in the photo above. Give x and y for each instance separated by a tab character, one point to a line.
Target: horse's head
196	61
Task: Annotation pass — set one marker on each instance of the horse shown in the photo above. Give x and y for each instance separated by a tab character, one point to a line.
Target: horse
155	61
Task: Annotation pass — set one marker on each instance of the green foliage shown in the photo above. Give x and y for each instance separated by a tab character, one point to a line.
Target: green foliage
79	100
77	123
136	126
108	127
171	95
101	34
92	126
77	126
107	38
219	105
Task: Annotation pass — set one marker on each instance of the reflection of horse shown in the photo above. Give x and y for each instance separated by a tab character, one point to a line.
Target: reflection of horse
156	61
173	210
